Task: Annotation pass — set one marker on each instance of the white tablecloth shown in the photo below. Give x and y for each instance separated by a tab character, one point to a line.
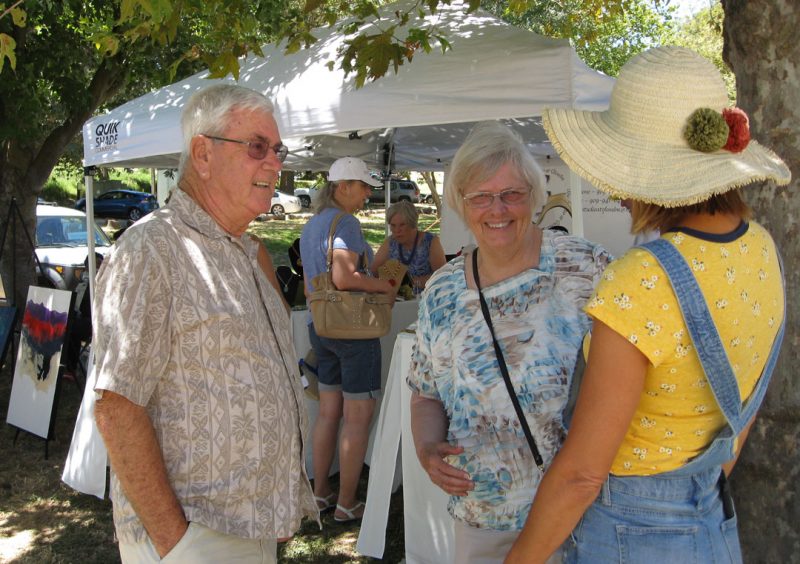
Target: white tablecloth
403	315
428	526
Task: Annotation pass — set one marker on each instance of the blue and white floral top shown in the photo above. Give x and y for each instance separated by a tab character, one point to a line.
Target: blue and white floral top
540	324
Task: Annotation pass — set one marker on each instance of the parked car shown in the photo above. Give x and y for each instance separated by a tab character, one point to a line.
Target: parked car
121	204
401	190
428	198
307	195
284	203
61	246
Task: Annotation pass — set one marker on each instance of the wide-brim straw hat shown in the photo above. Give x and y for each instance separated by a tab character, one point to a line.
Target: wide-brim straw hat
636	149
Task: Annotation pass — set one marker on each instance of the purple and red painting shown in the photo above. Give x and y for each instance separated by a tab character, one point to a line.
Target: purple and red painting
43	330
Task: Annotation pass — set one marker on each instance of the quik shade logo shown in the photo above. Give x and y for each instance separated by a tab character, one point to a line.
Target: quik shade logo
105	135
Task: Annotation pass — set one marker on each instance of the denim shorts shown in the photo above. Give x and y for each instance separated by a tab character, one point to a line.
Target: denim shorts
649	519
350	365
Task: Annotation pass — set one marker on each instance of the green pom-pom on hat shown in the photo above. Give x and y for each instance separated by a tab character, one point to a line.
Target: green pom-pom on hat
706	130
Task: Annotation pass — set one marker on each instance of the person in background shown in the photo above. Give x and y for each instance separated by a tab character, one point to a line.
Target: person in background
349	370
422	253
659	420
201	404
533	284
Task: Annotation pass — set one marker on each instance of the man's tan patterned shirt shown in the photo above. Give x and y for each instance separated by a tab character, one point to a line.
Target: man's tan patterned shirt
188	326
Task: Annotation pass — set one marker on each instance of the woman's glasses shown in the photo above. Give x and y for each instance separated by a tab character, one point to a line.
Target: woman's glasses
257	149
510	197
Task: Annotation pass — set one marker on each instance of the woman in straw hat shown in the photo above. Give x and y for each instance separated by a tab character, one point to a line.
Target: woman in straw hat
509	313
685	329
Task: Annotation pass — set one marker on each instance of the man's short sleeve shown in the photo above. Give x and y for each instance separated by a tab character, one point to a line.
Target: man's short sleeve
132	318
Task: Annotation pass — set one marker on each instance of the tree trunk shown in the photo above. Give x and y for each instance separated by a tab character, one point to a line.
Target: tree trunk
761	48
430	180
16	225
286	184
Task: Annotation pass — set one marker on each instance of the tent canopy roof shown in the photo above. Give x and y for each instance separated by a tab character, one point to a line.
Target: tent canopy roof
494	71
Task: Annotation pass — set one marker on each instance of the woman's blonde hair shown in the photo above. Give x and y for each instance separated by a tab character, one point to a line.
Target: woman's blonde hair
648	217
326	198
488	147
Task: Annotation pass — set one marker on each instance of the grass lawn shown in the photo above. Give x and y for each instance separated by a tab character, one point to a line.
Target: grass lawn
278	234
44	521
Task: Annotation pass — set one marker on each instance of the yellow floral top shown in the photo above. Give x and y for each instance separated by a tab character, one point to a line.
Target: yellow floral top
740	276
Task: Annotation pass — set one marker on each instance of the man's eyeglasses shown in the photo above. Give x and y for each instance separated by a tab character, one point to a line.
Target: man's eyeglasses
257	149
510	197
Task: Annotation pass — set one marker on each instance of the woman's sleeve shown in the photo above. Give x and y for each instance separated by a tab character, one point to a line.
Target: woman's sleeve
635	299
348	235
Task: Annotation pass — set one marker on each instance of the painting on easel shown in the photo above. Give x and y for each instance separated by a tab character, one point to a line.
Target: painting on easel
42	338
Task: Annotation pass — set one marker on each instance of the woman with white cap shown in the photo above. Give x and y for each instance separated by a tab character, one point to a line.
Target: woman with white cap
348	370
686	328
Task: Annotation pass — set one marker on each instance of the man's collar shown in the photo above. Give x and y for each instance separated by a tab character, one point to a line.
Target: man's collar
196	217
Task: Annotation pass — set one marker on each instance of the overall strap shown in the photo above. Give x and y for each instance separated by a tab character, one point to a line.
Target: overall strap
706	339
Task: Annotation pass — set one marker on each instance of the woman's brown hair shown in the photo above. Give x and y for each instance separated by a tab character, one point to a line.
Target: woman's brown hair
648	217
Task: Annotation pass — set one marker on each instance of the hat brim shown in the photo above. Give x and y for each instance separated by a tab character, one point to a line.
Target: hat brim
663	174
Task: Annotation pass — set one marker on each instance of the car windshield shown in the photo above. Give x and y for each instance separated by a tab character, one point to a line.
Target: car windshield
66	231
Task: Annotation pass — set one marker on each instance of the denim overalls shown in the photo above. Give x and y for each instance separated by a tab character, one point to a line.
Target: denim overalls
686	515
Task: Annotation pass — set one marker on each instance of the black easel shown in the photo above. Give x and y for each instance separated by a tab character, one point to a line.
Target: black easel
56	395
14	215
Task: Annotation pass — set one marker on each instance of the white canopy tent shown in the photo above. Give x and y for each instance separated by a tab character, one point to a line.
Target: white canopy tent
494	71
412	120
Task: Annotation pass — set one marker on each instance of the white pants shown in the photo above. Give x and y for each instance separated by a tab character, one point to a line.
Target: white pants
485	546
201	545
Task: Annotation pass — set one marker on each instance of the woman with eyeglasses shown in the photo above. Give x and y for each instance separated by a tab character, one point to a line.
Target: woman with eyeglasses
349	370
421	253
513	306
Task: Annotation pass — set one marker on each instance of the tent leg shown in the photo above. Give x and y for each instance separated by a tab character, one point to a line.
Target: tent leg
576	203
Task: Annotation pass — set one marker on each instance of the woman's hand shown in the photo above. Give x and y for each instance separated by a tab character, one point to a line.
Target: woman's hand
449	478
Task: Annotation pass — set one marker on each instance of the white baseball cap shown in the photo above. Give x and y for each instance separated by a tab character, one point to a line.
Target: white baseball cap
351	168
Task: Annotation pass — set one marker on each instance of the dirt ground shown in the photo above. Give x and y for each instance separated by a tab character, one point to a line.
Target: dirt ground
44	521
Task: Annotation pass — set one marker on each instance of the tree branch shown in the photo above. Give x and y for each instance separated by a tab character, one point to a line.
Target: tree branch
106	81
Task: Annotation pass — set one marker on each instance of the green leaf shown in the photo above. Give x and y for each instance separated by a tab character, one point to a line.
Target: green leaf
19	16
108	45
312	5
173	68
7	46
126	10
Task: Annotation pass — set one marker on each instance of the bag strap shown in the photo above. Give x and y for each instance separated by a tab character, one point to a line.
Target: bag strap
329	255
706	339
537	457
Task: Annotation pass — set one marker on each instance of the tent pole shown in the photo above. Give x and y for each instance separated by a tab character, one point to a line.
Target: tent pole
576	203
88	176
153	181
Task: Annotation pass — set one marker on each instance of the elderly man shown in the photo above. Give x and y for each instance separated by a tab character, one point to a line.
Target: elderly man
202	407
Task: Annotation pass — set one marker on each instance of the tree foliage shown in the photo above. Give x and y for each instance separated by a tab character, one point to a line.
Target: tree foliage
604	34
703	33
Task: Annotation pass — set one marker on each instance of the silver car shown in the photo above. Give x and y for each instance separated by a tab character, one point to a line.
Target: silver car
61	246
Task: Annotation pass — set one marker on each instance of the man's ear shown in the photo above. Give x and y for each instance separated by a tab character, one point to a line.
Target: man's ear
200	154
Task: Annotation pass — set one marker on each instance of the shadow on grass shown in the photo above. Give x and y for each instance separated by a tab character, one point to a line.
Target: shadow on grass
43	521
